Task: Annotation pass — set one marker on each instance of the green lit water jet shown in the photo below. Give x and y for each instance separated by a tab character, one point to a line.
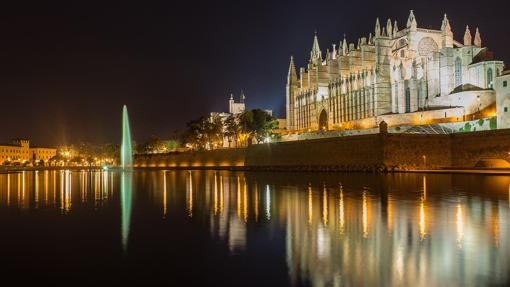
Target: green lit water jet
126	191
126	151
126	184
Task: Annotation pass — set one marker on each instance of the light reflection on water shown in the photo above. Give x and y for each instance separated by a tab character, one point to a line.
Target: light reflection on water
346	229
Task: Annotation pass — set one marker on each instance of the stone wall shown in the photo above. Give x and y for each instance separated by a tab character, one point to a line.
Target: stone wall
416	151
469	148
342	153
373	152
221	158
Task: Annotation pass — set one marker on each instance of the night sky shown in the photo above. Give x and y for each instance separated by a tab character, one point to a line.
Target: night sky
67	67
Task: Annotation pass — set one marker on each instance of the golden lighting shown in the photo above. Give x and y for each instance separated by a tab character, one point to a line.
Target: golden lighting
8	189
164	194
238	198
423	230
341	211
460	223
423	223
325	206
190	196
256	203
245	202
221	194
310	207
215	194
365	215
390	212
268	202
424	187
36	188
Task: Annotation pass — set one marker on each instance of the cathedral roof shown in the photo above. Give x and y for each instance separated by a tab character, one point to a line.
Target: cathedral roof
483	56
466	88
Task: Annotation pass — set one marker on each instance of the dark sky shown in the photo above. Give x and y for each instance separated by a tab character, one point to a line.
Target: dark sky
66	67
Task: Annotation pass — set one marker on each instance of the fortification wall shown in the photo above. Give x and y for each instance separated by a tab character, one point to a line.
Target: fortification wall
342	153
415	151
364	152
221	158
469	148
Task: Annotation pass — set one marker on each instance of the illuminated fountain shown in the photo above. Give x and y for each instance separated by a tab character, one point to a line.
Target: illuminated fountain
126	184
126	151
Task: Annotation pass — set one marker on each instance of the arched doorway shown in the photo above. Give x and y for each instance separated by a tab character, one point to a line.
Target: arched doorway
323	120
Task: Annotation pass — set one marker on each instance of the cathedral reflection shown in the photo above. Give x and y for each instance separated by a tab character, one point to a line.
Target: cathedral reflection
352	229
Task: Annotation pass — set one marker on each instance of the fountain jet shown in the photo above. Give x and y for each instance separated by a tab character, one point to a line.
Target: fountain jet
126	187
126	151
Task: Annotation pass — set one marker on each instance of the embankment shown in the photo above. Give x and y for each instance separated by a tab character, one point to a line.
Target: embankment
374	152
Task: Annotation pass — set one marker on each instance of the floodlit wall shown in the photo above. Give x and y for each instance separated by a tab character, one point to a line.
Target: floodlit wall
373	152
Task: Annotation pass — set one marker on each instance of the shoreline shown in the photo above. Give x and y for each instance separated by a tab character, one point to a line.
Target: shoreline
452	170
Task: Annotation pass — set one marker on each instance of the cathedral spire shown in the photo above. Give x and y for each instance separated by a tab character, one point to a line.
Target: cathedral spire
478	38
445	26
370	40
467	37
242	97
395	29
411	21
389	28
292	76
316	53
377	28
344	46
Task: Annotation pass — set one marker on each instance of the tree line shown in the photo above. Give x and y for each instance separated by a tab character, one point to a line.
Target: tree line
239	130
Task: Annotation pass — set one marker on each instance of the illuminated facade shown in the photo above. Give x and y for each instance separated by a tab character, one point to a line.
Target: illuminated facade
395	75
21	152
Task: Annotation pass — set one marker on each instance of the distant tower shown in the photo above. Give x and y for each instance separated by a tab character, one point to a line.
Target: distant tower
231	104
242	97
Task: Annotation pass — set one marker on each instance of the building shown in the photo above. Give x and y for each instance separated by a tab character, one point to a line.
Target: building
402	76
234	108
20	152
502	87
237	108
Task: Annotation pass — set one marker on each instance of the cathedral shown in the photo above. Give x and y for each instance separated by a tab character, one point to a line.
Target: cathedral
403	76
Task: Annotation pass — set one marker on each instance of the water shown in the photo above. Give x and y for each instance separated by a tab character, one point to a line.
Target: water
204	228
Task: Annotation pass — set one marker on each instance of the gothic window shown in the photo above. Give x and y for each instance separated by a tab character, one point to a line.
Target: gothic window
408	100
458	72
489	79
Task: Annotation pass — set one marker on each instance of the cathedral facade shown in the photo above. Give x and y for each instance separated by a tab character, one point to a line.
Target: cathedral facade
395	75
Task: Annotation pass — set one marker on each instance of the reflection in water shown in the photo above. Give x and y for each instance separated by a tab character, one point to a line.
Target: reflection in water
334	230
126	196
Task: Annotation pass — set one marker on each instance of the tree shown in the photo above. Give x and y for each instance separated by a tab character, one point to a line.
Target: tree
232	129
156	145
204	133
258	124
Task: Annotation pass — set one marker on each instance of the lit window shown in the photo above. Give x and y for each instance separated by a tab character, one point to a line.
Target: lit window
489	78
458	72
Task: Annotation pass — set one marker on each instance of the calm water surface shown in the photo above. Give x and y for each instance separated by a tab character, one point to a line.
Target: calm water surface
224	228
